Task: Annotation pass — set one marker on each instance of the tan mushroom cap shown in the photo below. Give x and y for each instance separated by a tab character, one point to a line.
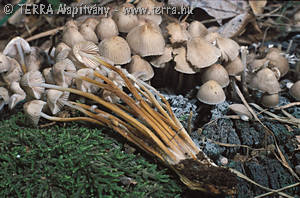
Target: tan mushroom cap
140	68
211	37
270	100
71	35
115	49
202	54
28	82
146	40
217	73
4	97
197	29
11	49
125	22
181	63
150	5
278	60
211	93
34	59
4	63
257	64
241	110
91	22
59	69
87	53
177	32
18	95
54	98
33	110
47	73
265	81
235	67
60	47
14	73
160	61
84	85
88	33
295	90
229	48
107	28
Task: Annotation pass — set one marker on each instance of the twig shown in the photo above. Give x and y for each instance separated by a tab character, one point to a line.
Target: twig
278	190
288	105
44	34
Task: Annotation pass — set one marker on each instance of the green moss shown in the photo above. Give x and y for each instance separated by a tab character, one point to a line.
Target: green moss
74	161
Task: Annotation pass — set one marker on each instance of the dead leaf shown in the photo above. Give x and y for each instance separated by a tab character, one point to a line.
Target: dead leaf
257	6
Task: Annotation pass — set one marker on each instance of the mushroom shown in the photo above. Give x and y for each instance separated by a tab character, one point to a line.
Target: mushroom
18	95
18	46
34	59
88	33
211	93
217	73
60	47
30	81
59	69
201	53
160	61
84	85
4	97
241	110
115	49
4	63
257	64
182	65
235	67
47	73
125	21
55	99
146	40
33	111
295	90
265	81
140	68
278	60
229	48
71	35
150	6
197	29
270	100
86	53
177	32
91	22
107	28
14	73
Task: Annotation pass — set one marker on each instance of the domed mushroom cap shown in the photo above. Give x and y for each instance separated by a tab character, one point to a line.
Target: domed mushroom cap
60	47
177	32
295	90
270	100
115	49
59	69
86	53
91	22
202	54
181	63
265	81
150	5
29	81
54	98
84	85
229	48
241	110
14	73
88	33
107	28
11	48
235	67
140	68
217	73
125	22
4	63
197	29
146	40
33	110
211	37
278	60
18	95
160	61
211	93
71	35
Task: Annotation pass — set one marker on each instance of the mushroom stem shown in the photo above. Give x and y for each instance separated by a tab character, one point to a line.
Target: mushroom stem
22	58
244	52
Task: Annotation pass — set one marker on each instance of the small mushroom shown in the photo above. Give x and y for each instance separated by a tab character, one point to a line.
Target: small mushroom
88	33
115	49
270	100
140	68
217	73
150	5
235	67
211	93
182	65
18	95
4	97
160	61
91	22
87	53
107	28
4	63
201	53
60	47
30	81
229	48
18	46
55	99
278	60
265	81
241	110
14	73
34	59
197	29
47	73
146	40
84	85
257	64
177	32
71	35
125	21
295	90
59	69
33	111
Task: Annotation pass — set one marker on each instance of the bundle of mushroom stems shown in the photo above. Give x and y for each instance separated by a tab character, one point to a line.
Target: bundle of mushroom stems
100	56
